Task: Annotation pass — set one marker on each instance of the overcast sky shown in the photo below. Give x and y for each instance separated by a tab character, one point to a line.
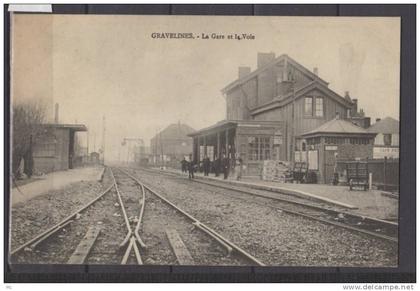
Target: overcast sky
110	65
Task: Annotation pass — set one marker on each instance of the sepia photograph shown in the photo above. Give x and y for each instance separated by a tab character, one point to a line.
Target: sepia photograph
204	140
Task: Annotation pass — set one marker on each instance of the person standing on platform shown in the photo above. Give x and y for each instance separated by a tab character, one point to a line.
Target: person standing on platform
225	167
184	165
190	168
206	165
216	165
238	168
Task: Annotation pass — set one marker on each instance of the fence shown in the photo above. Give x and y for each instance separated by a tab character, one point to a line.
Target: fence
385	172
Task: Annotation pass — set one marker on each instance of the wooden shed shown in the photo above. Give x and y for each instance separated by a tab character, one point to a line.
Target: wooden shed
335	140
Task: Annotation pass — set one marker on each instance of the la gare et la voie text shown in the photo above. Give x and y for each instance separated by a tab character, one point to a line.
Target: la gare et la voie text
188	35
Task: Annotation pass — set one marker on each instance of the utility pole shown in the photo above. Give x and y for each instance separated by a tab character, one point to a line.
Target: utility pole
156	151
291	78
87	146
87	142
161	149
103	140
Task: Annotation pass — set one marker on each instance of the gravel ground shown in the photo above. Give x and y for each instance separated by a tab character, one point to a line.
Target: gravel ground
37	215
335	216
276	238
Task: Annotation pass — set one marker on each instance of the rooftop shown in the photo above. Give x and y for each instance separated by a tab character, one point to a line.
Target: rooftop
386	125
338	126
272	63
175	131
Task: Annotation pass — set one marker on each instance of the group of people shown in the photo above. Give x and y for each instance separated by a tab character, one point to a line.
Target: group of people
219	165
188	166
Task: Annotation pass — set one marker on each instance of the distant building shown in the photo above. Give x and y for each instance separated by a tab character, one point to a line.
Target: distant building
387	140
141	155
171	144
54	150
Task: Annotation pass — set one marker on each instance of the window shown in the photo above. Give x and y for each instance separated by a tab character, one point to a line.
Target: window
387	139
314	141
319	107
259	148
334	140
45	148
252	148
308	106
359	140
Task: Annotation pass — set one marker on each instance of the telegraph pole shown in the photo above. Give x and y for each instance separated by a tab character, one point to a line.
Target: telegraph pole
87	145
103	140
87	142
292	158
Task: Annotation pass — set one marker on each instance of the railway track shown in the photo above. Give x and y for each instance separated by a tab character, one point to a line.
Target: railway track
203	244
134	199
323	213
87	250
33	243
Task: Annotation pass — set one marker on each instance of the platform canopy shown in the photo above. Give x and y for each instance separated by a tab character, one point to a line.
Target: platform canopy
228	124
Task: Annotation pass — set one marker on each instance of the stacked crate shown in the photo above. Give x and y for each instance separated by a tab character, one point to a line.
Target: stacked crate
277	171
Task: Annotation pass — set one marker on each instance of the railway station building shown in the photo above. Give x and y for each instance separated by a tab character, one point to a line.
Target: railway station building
269	109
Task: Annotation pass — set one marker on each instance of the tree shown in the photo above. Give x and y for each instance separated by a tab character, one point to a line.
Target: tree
27	118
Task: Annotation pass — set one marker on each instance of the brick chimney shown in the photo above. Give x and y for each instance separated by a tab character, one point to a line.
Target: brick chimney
347	96
243	71
264	59
353	111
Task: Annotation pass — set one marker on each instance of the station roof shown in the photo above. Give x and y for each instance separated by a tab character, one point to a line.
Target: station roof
280	58
281	101
338	126
386	125
74	127
175	131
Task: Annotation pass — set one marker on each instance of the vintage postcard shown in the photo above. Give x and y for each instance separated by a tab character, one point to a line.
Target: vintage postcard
204	140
